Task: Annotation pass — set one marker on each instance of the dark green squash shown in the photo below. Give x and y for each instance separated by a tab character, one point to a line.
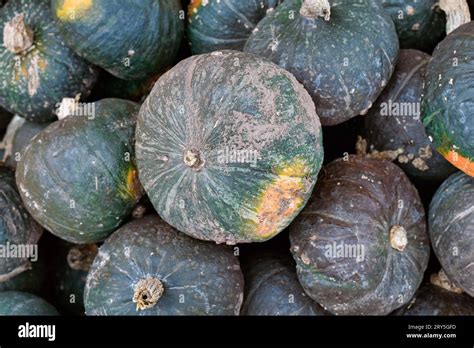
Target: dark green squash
78	177
423	24
24	304
342	51
448	104
131	39
71	266
217	25
33	280
451	222
361	245
394	122
37	69
272	288
228	147
148	268
19	233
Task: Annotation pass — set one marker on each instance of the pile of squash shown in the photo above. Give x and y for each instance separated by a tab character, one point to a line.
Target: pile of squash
224	157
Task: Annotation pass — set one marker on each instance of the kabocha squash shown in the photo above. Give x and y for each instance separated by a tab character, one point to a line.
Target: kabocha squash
342	51
361	245
18	136
423	24
31	280
77	177
148	268
131	39
24	304
393	125
451	227
36	68
217	25
272	288
228	147
71	265
19	233
448	101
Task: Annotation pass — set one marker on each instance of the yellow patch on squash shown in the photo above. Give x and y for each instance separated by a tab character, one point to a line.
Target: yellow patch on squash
281	199
459	161
134	188
69	10
194	6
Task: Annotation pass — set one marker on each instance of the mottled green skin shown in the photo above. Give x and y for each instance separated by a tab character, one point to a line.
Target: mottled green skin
420	24
355	204
218	102
448	102
272	288
61	72
110	31
451	226
391	132
344	63
16	225
32	280
432	300
199	278
220	25
73	175
24	304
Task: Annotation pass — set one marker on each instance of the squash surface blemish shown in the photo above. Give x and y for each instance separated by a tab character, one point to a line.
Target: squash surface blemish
72	9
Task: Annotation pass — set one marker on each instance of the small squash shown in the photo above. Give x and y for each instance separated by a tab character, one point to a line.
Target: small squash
148	268
228	147
18	231
451	221
217	25
394	124
37	69
272	288
342	51
423	24
361	245
78	177
24	304
447	104
131	39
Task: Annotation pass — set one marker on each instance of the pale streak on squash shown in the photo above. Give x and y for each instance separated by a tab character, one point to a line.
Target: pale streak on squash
71	9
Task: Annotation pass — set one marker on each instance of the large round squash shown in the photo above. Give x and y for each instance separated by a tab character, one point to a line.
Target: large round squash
37	69
394	122
149	268
342	51
78	177
131	39
451	227
19	233
24	304
448	102
228	147
361	245
217	25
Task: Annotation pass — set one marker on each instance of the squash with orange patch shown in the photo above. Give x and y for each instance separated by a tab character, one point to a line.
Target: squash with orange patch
37	69
228	147
77	177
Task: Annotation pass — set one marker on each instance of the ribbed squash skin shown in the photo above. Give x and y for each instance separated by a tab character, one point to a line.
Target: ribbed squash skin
355	204
448	102
199	278
217	25
432	300
394	122
272	288
24	304
17	228
451	227
131	39
33	82
420	25
344	63
215	104
78	177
